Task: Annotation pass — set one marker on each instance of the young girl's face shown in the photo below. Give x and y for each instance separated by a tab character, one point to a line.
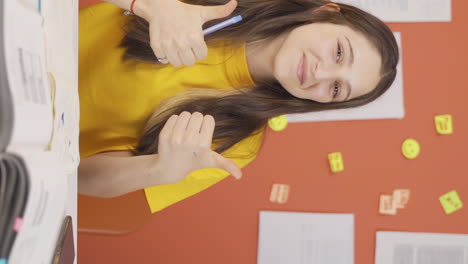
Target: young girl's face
326	63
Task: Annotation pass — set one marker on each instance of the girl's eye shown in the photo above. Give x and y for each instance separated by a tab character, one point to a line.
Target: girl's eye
339	53
336	90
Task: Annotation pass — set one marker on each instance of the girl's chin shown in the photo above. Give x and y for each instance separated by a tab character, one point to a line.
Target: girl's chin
292	91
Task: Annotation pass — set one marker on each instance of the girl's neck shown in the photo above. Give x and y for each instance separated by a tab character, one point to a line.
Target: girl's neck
260	57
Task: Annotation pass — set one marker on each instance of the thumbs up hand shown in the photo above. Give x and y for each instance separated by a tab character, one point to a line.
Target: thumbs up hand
175	28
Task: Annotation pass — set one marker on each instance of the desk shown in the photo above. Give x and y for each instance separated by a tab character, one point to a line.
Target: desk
61	29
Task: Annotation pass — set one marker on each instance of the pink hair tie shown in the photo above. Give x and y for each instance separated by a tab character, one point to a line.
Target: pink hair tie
131	6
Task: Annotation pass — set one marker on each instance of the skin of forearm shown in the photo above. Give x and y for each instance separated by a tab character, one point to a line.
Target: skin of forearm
109	176
140	7
125	4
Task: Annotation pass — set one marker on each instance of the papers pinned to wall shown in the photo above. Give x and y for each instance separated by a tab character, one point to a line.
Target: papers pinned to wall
406	10
301	238
413	248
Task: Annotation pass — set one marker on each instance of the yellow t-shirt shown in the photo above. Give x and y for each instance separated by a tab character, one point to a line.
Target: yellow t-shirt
117	97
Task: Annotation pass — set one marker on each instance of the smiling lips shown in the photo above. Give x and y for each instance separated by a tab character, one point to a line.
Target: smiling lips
301	70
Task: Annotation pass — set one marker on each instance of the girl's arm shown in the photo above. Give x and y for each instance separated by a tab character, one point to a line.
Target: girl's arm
139	6
184	147
116	173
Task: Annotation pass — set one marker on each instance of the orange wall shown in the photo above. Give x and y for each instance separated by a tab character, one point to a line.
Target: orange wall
220	225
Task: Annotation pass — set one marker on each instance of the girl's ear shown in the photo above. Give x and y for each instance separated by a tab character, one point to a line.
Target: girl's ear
331	7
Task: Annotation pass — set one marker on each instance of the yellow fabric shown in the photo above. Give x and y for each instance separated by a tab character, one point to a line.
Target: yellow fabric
117	97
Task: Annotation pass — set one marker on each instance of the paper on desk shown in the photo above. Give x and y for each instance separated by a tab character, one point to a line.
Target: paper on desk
27	77
405	10
421	248
389	105
61	35
34	4
61	31
303	238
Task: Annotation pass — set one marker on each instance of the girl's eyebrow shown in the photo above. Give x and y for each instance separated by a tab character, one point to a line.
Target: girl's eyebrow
349	92
350	63
352	53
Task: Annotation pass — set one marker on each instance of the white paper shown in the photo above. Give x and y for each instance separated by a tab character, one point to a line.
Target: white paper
45	209
421	248
61	31
27	77
405	10
304	238
389	105
33	4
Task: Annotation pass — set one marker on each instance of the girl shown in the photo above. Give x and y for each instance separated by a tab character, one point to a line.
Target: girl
163	110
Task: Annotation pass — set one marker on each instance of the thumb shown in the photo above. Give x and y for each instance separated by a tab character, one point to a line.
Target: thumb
227	165
215	12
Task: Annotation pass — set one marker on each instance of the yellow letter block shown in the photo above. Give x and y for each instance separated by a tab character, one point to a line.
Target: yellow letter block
443	124
451	202
336	161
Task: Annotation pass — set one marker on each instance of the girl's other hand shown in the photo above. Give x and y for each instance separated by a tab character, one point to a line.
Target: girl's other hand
185	146
175	28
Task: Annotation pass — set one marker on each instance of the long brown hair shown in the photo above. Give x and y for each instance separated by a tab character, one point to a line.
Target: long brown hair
241	112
